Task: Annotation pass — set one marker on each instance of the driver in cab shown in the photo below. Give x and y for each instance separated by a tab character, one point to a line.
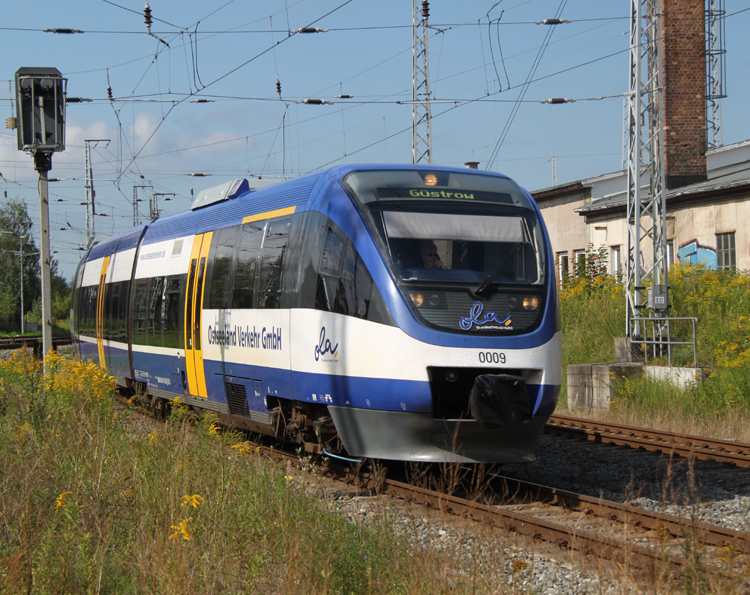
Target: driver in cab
430	256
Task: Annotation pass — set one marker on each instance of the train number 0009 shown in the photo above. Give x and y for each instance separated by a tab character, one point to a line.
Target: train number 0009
491	357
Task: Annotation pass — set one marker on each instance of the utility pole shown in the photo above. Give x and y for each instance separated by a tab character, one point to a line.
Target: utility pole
90	192
421	143
646	213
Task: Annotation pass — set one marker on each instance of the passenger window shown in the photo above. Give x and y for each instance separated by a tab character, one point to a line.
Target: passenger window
171	313
140	302
221	268
271	259
111	312
88	309
244	276
154	311
330	260
350	293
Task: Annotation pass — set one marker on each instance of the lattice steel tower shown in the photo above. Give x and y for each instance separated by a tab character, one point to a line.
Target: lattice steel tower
715	71
421	145
646	211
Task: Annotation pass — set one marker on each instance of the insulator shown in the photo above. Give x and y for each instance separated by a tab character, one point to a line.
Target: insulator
109	92
315	102
345	96
425	9
552	22
147	15
278	86
77	100
559	100
309	30
63	31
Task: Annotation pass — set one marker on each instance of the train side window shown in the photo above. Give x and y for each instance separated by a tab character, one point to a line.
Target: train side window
170	314
88	310
247	256
271	261
349	294
330	259
111	311
140	302
355	285
154	311
220	273
123	312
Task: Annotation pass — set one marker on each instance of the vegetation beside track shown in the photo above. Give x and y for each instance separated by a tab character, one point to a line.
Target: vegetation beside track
593	315
89	505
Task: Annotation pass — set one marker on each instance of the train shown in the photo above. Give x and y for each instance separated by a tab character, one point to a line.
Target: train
397	312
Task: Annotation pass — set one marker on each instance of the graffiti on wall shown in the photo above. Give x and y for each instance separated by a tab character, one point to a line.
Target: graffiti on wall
695	253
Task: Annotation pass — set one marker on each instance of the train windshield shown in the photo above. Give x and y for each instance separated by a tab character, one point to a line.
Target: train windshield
467	250
464	228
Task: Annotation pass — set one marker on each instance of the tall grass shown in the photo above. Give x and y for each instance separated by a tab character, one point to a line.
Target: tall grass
593	315
91	505
95	499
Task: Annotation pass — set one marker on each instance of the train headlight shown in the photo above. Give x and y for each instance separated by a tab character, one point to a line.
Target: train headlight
531	302
513	303
433	300
417	298
430	180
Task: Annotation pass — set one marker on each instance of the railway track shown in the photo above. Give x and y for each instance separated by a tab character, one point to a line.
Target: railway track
654	543
724	451
33	343
646	540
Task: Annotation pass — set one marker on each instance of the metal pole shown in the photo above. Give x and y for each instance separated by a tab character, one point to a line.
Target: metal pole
20	253
43	163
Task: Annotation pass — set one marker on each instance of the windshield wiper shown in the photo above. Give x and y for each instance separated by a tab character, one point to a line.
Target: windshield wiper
484	285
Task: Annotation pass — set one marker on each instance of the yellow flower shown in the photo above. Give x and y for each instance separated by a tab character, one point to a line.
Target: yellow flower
60	502
195	501
182	530
213	429
519	565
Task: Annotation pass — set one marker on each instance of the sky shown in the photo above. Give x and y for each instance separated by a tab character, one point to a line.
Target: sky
199	95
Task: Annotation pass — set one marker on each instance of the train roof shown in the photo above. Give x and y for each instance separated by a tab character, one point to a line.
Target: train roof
233	201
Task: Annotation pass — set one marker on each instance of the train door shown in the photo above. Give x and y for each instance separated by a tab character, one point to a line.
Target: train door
193	306
100	312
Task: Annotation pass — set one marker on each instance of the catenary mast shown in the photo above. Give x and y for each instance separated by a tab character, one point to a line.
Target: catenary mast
646	182
421	115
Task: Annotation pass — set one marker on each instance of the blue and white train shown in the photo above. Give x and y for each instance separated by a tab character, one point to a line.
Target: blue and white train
391	312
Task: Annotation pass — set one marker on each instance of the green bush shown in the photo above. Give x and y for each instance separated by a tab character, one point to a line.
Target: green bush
593	315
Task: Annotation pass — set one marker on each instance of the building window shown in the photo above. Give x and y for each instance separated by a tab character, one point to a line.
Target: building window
670	253
615	261
579	262
726	257
563	272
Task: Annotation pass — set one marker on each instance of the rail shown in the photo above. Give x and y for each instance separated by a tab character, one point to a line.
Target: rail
660	338
652	440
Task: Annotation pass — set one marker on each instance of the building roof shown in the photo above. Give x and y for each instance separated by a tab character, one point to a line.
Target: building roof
721	181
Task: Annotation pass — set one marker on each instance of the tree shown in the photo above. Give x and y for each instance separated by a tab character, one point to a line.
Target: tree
16	239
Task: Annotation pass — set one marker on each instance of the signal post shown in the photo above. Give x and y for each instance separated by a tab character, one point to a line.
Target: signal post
40	97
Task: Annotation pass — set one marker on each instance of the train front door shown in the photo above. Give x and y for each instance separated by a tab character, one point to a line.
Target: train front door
196	375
